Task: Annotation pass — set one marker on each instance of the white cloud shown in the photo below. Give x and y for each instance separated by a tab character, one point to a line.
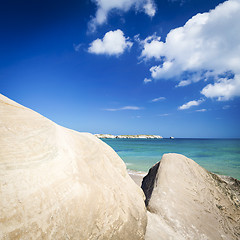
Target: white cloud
224	89
152	47
201	110
166	70
193	77
158	99
163	115
149	8
147	80
208	45
226	107
123	108
184	83
191	104
77	47
106	6
113	43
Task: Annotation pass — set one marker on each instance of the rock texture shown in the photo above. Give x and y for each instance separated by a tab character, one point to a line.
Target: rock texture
188	202
56	183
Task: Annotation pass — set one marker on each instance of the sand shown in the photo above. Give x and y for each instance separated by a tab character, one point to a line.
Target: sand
137	176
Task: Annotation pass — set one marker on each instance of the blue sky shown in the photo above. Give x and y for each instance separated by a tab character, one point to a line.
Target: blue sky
164	67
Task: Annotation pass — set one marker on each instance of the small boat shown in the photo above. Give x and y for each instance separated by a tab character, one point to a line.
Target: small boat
171	137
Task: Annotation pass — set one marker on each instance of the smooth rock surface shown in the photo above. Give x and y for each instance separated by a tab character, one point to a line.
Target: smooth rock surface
56	183
188	202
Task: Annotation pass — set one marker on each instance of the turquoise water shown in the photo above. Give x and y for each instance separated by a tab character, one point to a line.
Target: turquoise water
221	156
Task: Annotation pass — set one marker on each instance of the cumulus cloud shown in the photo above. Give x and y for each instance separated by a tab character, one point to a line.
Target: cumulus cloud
149	8
166	70
208	45
147	80
123	108
152	47
223	89
113	43
190	104
104	7
158	99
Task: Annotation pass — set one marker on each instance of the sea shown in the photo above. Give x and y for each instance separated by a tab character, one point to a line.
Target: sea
220	156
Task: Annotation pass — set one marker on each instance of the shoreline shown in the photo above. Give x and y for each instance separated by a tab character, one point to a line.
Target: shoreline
141	154
137	176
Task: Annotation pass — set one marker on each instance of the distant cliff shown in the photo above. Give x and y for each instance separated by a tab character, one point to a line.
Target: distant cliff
142	136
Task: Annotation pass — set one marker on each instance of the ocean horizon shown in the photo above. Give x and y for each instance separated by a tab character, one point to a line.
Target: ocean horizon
218	155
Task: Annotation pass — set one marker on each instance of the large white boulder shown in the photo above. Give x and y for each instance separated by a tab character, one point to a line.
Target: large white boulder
185	201
56	183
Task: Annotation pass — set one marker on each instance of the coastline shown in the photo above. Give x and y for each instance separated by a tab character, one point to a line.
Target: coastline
137	177
218	156
139	136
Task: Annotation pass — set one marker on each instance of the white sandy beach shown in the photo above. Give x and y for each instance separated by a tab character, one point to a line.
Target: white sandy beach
137	176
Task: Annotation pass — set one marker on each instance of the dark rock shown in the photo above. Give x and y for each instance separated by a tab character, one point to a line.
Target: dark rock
148	182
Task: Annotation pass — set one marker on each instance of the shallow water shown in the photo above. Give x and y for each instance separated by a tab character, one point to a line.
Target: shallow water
221	156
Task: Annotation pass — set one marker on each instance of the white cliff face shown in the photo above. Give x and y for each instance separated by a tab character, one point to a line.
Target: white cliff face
56	183
105	136
141	136
187	202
